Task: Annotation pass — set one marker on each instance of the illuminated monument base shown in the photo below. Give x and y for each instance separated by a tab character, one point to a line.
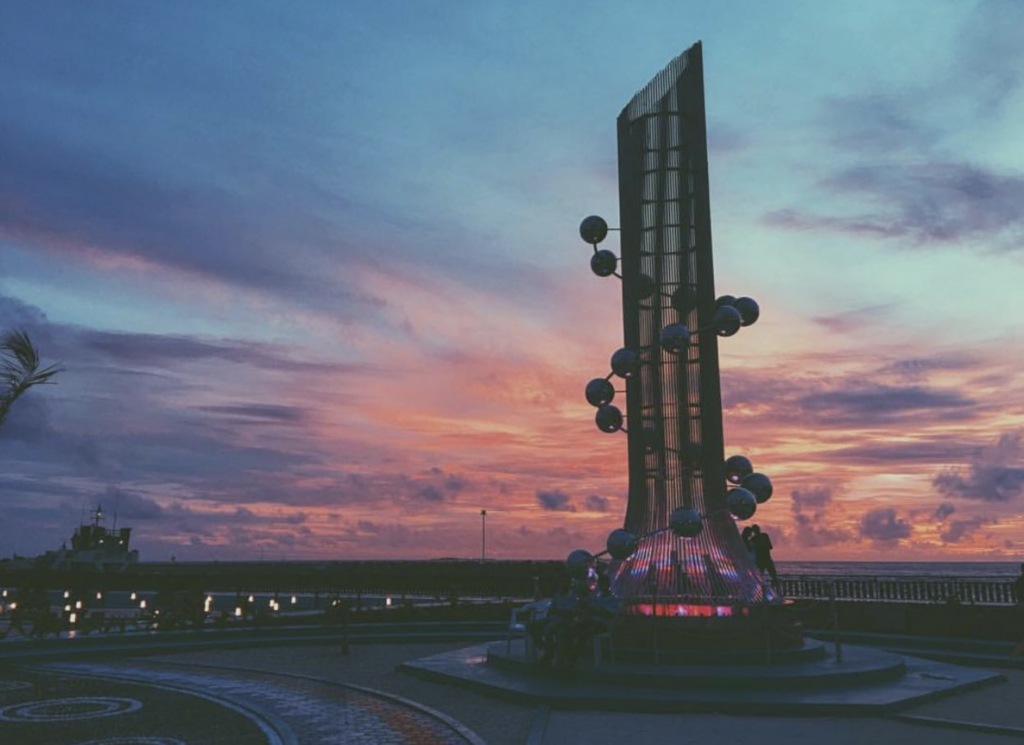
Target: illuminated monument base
673	630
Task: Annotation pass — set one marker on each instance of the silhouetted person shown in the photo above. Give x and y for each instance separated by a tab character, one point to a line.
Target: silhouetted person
762	546
594	614
746	535
560	615
1018	588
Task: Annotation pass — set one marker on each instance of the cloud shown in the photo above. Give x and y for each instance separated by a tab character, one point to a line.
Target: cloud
885	451
554	501
455	484
261	412
812	518
957	530
873	124
922	204
867	404
849	399
814	531
992	476
725	140
430	493
883	526
944	510
127	505
161	350
855	320
68	198
596	503
990	52
814	497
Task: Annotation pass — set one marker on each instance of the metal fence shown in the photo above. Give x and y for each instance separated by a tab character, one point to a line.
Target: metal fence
963	590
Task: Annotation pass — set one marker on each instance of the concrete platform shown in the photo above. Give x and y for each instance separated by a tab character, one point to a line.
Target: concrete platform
866	683
859	667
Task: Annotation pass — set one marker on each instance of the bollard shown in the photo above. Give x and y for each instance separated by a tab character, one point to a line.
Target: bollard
344	628
835	621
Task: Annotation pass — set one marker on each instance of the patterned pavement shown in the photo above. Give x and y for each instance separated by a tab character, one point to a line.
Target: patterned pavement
47	708
292	710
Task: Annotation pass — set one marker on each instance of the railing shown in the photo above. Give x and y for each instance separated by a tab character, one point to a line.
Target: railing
963	590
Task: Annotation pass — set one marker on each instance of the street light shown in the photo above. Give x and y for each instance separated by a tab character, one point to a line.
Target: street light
483	535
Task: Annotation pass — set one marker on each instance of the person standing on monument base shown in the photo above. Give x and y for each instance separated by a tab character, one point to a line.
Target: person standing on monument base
762	546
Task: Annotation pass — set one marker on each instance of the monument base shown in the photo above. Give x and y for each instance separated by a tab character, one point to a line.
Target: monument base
674	630
864	682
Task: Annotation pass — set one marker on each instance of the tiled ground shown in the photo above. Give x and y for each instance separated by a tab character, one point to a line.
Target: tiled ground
38	708
301	711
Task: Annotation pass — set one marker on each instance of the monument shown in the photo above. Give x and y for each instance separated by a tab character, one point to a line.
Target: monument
679	553
698	628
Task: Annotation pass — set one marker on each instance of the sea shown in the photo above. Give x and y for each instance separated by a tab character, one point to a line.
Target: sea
895	569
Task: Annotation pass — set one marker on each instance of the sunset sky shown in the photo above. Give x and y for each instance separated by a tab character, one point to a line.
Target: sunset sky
313	271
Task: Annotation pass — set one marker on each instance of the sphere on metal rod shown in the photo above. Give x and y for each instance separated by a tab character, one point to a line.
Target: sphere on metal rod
625	363
621	544
741	503
684	299
759	485
600	392
685	522
593	229
609	418
675	338
604	263
726	320
725	300
578	561
749	310
737	467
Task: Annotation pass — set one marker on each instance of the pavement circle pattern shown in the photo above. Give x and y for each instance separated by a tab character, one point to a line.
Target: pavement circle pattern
306	711
134	741
14	685
69	709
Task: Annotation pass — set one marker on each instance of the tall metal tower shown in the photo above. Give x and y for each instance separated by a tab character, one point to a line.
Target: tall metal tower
680	552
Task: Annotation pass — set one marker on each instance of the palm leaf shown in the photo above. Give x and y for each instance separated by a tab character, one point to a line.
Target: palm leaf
19	369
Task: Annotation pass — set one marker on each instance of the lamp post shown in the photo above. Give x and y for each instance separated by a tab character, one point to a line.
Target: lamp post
483	535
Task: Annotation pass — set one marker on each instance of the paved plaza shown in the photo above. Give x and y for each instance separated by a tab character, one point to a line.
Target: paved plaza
314	694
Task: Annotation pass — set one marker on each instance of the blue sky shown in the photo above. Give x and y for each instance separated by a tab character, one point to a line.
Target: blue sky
313	272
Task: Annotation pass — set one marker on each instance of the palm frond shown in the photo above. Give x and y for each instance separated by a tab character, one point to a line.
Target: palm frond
19	369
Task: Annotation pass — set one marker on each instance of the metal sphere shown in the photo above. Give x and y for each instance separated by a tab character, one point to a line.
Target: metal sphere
684	299
759	485
645	286
593	229
685	522
600	392
609	418
578	561
737	467
604	263
625	363
741	503
675	338
725	300
726	320
749	310
621	544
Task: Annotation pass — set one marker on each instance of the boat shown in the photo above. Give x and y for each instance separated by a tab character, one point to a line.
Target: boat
94	548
